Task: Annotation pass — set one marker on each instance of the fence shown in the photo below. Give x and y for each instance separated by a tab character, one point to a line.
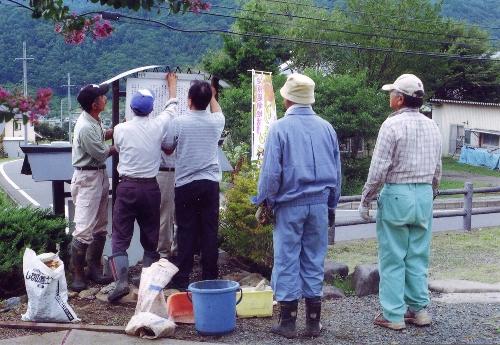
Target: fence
466	212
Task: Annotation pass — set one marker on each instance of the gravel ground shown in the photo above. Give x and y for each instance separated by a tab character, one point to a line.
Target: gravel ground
345	321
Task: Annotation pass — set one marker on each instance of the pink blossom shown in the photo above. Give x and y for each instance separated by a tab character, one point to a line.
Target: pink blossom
4	94
58	28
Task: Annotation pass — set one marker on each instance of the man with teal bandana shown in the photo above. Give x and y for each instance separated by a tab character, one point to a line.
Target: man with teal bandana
407	163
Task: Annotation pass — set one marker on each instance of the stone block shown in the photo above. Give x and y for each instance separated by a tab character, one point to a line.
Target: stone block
365	280
332	292
335	269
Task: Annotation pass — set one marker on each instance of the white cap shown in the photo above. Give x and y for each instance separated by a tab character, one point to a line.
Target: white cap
298	88
407	84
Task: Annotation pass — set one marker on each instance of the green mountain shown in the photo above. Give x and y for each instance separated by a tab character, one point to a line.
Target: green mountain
139	43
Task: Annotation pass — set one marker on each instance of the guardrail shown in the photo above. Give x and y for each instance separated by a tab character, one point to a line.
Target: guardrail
466	212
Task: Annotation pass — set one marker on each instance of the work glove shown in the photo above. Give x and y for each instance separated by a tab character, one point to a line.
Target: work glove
331	217
364	213
264	215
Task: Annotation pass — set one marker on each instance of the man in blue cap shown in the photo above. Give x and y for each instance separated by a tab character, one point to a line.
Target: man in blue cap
138	143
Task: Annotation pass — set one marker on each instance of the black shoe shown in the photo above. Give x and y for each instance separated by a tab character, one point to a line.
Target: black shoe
313	315
288	317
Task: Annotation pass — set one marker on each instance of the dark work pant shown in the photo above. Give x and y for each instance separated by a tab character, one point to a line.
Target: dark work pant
136	201
197	217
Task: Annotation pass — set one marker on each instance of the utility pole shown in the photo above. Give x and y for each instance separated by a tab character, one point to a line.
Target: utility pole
70	117
25	86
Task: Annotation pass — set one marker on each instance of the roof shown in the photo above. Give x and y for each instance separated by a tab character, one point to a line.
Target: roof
486	131
450	101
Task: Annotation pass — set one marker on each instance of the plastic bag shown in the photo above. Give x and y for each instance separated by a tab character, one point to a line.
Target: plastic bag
46	288
150	319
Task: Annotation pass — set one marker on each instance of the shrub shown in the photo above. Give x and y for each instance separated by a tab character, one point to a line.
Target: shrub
240	234
354	174
22	227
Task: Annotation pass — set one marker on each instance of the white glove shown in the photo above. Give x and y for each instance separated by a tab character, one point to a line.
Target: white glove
364	213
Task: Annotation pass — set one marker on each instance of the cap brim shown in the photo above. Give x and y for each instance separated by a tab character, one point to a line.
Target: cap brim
388	87
103	89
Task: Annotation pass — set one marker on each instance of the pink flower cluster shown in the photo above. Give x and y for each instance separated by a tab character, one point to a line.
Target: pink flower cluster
197	6
75	29
16	103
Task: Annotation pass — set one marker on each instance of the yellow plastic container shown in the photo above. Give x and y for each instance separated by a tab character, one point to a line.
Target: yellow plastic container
255	303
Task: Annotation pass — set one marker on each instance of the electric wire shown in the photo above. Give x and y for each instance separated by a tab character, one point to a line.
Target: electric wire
376	14
292	16
320	43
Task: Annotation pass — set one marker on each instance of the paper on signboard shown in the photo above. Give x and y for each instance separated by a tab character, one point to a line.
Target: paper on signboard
156	83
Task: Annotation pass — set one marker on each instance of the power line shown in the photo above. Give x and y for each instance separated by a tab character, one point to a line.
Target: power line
308	41
466	45
315	42
290	16
377	14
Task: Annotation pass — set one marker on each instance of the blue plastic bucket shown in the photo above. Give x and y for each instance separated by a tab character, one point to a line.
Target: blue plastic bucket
214	306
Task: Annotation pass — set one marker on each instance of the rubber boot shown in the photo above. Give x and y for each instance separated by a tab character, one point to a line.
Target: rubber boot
94	256
147	260
119	267
288	317
78	252
313	315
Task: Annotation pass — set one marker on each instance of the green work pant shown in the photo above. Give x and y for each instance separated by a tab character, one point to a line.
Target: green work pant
404	222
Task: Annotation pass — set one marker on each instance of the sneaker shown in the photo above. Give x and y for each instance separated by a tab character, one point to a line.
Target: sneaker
419	318
381	321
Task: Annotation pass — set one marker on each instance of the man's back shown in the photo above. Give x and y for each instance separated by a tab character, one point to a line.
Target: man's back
306	147
196	135
138	142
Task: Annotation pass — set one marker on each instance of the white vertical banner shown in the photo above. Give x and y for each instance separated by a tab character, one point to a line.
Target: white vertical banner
263	111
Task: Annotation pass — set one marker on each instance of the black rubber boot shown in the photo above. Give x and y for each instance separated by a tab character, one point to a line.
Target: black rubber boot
147	260
94	256
288	317
119	267
78	252
313	315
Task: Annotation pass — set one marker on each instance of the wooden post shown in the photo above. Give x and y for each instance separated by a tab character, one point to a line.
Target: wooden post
469	191
58	198
115	119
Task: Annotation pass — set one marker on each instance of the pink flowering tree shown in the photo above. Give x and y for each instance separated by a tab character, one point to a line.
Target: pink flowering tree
75	28
30	108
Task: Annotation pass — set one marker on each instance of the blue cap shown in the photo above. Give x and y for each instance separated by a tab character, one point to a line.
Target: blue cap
142	102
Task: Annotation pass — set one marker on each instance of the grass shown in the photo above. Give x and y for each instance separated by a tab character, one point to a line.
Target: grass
454	255
449	163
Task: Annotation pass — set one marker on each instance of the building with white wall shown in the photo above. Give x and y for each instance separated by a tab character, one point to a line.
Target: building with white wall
471	123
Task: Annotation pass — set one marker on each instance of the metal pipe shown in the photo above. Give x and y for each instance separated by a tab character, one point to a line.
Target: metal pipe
467	220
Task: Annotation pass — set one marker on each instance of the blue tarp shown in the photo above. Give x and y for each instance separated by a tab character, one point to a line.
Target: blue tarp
480	157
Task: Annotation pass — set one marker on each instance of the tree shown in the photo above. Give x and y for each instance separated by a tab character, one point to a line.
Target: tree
372	26
76	27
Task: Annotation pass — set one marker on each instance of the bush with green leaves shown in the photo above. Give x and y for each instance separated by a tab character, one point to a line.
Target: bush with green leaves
21	228
240	234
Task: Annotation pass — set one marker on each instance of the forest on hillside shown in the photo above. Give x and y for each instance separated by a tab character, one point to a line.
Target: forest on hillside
137	43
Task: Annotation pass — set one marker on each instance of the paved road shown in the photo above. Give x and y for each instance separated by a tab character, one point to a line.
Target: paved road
40	192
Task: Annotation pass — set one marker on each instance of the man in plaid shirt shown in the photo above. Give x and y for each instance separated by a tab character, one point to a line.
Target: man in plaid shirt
407	163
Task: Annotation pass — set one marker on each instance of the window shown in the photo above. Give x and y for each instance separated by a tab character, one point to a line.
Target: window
345	145
489	139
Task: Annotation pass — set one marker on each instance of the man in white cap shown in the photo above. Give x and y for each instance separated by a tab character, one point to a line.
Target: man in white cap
138	143
300	180
407	163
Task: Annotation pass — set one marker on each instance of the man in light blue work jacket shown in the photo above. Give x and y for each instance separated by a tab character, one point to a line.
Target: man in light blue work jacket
300	180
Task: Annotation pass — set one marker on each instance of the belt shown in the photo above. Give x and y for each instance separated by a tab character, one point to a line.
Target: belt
167	169
138	179
102	167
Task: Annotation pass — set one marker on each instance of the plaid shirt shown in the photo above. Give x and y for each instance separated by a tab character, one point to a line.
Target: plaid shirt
408	150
